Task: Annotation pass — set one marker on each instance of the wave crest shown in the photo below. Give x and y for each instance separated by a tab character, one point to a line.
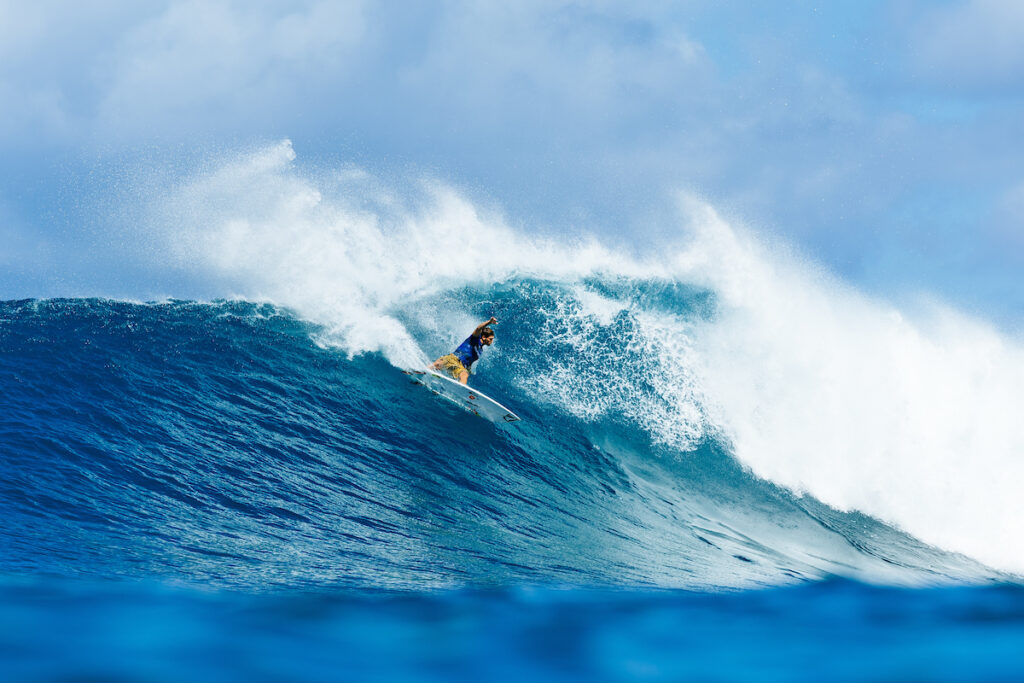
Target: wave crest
907	415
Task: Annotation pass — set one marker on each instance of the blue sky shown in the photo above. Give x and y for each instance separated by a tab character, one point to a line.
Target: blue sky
885	139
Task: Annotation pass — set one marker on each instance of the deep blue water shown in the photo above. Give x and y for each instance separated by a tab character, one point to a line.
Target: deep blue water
209	490
835	631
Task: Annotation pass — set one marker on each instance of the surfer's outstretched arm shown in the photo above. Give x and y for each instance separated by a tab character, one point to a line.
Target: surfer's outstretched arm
480	328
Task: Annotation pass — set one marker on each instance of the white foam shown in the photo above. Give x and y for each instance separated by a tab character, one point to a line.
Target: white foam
313	245
912	417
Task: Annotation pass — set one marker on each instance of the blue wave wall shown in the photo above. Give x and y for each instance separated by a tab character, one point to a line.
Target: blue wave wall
219	444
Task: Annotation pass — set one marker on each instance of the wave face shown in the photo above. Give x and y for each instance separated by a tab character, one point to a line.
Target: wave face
224	444
686	342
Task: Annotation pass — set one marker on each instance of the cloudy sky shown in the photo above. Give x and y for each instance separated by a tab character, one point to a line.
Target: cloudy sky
883	139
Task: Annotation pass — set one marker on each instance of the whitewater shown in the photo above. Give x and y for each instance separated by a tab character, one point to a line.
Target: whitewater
704	410
909	416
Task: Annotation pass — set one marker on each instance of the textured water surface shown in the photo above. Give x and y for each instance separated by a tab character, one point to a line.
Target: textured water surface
214	489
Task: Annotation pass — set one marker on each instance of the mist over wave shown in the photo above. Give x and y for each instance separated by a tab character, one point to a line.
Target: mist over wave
908	416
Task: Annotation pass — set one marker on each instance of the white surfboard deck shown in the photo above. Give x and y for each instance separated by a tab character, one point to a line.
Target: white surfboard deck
467	397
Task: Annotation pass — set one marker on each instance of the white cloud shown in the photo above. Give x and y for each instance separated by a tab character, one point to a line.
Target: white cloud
974	45
568	112
585	63
68	71
45	48
21	24
200	61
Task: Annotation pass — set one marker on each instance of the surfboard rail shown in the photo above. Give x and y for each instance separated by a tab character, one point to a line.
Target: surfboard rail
469	398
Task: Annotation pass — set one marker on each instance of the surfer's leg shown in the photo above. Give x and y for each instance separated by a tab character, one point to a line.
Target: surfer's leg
453	367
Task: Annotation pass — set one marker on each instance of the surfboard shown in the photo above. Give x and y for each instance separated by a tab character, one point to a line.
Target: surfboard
467	397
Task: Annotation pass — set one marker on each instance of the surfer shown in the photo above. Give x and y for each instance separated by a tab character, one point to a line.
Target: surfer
457	362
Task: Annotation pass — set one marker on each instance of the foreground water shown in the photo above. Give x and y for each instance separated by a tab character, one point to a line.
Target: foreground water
217	491
836	631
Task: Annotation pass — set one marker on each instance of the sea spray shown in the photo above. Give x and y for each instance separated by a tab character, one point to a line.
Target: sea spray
218	445
906	415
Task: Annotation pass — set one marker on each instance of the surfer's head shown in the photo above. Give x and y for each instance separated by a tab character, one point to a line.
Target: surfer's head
487	336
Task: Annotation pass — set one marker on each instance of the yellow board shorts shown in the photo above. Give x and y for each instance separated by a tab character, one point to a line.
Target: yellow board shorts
452	365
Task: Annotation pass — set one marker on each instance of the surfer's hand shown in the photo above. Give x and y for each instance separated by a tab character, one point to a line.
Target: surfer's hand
492	321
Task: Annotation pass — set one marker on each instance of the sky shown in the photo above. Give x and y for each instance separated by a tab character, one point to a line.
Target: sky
885	140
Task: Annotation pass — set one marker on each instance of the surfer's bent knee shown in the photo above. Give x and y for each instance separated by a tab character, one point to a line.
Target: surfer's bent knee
451	365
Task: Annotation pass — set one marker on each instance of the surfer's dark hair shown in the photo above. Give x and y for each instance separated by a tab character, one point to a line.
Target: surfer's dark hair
486	332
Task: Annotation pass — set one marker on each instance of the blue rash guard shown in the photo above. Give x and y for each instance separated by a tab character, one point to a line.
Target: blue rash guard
469	351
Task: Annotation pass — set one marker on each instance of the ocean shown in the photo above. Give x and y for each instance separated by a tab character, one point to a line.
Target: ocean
209	490
730	465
